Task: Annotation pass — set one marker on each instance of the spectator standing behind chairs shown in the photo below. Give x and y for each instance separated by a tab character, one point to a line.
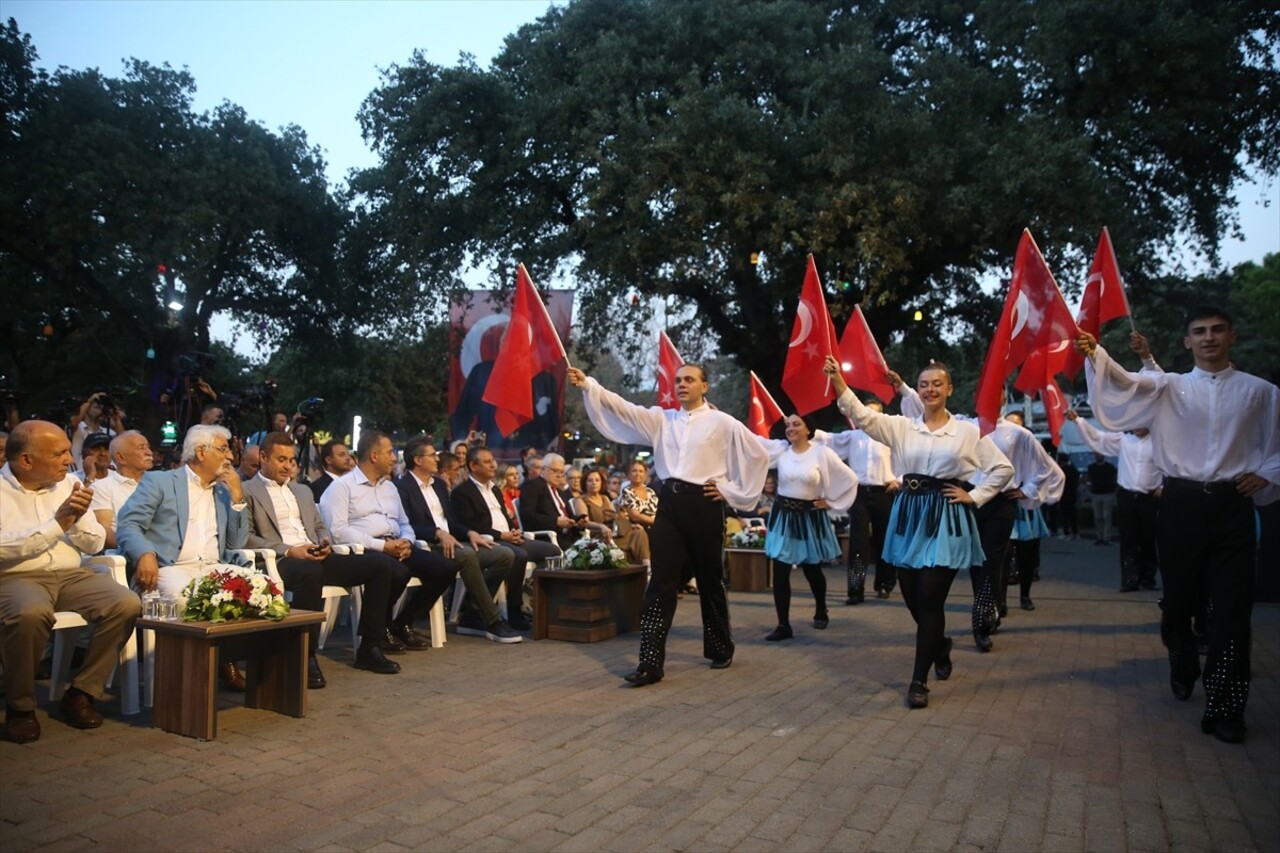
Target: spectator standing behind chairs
211	414
45	530
1102	490
479	507
95	458
545	503
336	460
1137	499
93	417
179	525
481	566
250	462
705	459
363	507
132	457
279	423
285	520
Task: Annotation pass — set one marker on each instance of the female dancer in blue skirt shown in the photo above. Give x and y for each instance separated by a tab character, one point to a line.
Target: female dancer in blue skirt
932	532
812	481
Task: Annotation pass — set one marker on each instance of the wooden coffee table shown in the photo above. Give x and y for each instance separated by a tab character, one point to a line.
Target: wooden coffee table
186	668
586	607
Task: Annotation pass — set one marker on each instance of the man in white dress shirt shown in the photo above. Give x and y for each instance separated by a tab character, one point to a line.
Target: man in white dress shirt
132	457
1215	436
45	529
1137	499
705	459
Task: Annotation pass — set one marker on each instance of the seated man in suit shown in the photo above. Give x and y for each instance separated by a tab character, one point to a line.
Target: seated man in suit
363	507
284	518
482	566
479	507
179	525
45	529
336	460
546	505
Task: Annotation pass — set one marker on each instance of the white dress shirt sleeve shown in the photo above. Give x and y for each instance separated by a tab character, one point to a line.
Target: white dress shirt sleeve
619	420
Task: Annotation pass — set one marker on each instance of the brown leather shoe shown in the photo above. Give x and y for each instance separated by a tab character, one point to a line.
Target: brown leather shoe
231	676
78	710
21	726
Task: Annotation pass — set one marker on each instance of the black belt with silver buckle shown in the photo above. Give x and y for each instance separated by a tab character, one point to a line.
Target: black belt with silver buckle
925	483
867	487
681	487
1216	487
795	504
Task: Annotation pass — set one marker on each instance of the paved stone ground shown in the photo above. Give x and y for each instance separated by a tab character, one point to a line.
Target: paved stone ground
1065	738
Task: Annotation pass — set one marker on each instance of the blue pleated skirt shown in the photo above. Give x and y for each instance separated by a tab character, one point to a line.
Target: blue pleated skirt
802	537
925	530
1029	525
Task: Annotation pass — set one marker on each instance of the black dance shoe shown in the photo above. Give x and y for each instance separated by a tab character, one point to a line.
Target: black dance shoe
983	641
917	695
641	677
725	663
782	632
942	666
821	620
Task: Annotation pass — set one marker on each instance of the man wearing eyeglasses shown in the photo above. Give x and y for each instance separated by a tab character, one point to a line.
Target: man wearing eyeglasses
181	524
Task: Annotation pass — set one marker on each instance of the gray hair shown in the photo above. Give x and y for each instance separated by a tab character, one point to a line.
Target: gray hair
550	459
202	435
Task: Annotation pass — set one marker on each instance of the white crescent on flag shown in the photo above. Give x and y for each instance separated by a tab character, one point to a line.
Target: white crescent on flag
1052	391
757	411
806	325
469	357
1059	347
1021	310
1102	283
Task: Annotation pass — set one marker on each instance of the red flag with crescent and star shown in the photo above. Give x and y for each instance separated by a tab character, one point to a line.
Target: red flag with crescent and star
530	346
862	362
1103	299
1035	316
813	338
1055	408
763	411
669	361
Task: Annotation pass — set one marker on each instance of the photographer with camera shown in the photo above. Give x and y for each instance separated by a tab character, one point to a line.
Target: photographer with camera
310	468
98	414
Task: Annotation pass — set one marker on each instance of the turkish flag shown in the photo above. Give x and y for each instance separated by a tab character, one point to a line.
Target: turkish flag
1103	299
529	347
813	338
1035	316
763	411
1055	409
1042	365
862	362
669	361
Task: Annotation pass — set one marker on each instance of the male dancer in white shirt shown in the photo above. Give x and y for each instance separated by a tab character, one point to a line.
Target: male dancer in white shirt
1137	495
705	458
1216	440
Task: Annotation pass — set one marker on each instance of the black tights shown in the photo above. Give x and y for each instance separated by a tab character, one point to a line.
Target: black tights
925	591
782	589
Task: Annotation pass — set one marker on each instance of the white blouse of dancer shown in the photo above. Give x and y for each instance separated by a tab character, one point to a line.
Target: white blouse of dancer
694	446
955	451
1221	443
815	473
1137	470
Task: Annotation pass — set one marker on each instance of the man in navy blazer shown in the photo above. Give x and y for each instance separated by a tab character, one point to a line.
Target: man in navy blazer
545	504
479	507
482	566
179	525
285	520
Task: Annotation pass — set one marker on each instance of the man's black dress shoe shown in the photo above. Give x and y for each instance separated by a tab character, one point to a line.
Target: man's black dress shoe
1225	729
722	664
315	678
917	695
391	645
983	641
821	620
782	632
1027	603
942	666
855	598
371	658
409	638
882	593
1181	689
641	677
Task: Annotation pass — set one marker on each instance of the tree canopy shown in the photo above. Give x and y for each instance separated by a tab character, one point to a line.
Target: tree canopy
653	146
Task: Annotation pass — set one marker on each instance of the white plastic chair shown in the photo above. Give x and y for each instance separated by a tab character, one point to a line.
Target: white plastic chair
332	595
67	626
437	621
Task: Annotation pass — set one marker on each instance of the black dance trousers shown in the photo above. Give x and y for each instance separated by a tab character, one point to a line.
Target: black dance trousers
382	576
1207	545
688	531
782	589
995	526
925	592
868	522
1136	517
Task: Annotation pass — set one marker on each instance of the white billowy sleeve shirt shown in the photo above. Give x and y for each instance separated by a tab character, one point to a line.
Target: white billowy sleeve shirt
1204	426
816	473
1034	471
1137	470
955	451
869	460
694	446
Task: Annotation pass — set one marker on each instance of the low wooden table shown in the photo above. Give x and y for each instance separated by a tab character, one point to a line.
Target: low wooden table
748	569
186	668
586	607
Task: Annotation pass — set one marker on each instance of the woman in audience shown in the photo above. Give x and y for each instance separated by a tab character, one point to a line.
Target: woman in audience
600	511
637	510
573	480
510	480
768	496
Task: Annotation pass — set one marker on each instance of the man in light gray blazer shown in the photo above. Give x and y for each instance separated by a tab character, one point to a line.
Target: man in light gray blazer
284	519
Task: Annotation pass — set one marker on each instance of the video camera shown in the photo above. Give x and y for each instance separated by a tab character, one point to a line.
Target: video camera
310	410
